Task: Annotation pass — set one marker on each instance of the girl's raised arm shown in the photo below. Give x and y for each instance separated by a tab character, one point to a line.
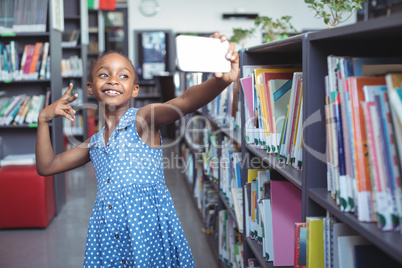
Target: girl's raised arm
47	163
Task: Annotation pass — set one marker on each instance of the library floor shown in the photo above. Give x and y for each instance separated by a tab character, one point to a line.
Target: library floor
62	243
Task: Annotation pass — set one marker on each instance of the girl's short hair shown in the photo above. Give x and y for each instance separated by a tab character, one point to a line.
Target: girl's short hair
94	62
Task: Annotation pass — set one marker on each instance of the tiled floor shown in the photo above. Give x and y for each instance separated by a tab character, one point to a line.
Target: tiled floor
62	243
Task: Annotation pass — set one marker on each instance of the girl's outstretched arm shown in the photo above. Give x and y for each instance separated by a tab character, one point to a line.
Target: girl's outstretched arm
47	163
155	115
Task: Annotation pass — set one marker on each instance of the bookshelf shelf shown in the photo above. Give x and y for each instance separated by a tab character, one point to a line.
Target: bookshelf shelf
390	242
38	81
233	134
224	201
148	96
290	173
27	34
257	250
23	126
78	47
72	17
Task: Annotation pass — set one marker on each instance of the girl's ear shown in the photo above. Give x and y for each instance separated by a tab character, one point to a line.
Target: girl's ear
136	89
90	88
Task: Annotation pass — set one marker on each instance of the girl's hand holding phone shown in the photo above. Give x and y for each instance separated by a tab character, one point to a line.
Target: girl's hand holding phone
205	54
60	107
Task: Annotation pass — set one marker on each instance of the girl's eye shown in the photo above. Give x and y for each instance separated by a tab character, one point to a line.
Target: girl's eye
103	75
124	76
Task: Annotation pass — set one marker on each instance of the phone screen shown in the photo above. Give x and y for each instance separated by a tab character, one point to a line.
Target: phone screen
202	54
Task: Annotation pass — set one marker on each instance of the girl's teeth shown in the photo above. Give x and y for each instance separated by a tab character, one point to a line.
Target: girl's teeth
112	92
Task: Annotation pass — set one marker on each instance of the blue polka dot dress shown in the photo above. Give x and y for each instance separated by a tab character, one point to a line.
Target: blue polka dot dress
133	222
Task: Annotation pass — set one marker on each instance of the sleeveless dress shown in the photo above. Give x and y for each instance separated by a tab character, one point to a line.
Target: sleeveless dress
133	222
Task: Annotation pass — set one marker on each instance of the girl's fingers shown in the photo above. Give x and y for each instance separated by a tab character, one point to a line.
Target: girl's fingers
68	116
67	109
68	91
72	98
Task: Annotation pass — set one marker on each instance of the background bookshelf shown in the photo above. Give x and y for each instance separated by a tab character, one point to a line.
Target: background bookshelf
75	56
24	135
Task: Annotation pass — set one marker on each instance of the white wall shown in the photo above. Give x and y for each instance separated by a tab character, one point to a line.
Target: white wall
206	16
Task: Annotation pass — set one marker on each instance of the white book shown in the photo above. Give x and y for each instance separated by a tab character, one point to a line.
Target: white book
346	246
18	159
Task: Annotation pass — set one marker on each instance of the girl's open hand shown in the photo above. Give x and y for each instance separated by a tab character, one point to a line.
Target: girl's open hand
60	107
233	57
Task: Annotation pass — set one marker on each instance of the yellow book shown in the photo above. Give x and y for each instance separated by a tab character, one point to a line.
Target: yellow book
258	72
253	173
259	88
315	242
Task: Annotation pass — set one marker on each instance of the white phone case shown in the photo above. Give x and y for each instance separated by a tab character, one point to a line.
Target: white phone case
202	54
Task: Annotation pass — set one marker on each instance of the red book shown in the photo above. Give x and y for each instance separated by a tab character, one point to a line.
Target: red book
362	161
265	78
28	60
300	245
35	57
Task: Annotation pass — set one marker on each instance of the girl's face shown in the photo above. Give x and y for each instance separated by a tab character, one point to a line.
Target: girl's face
113	81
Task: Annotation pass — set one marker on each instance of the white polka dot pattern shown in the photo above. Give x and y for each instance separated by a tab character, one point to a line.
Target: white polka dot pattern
133	222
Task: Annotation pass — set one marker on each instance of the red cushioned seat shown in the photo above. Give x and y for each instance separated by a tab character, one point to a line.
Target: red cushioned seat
27	199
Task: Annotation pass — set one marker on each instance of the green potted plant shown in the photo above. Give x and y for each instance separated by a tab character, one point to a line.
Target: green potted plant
240	35
275	29
333	12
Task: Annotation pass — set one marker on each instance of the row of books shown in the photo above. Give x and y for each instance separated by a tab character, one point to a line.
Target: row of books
18	160
75	128
23	16
364	138
225	108
322	242
72	67
32	64
230	241
93	47
271	209
207	203
230	178
70	38
22	109
273	110
211	158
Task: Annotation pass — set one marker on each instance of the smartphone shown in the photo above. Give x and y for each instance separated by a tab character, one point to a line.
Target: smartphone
202	54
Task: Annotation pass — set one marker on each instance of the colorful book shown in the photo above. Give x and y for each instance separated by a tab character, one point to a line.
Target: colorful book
365	210
382	199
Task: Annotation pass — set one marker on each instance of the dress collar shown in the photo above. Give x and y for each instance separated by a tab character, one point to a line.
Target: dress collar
126	120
